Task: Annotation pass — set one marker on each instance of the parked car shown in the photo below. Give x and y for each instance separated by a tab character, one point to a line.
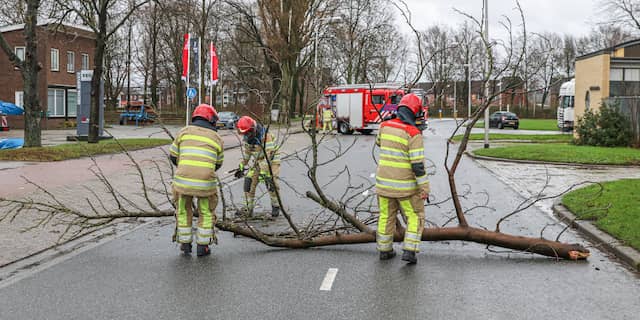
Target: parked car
502	119
227	119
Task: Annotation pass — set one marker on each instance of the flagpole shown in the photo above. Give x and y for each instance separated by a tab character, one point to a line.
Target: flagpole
200	71
211	76
186	94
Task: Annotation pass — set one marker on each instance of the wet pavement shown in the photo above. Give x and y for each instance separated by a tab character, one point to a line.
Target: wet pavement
142	276
70	181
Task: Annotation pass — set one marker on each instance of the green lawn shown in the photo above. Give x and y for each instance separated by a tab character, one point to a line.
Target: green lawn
622	219
531	124
525	137
565	153
79	149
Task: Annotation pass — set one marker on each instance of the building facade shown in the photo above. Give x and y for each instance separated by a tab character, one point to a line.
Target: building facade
63	50
609	73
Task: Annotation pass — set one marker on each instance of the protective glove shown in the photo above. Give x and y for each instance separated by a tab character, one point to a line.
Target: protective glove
240	172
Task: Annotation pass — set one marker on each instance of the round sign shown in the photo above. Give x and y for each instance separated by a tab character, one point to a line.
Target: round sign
191	93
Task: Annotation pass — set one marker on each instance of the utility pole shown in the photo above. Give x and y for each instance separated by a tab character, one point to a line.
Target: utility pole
486	68
129	67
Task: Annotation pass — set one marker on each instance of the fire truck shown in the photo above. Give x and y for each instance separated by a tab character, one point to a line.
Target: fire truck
362	107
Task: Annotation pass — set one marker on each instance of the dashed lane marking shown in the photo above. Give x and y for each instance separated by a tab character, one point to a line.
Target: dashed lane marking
327	283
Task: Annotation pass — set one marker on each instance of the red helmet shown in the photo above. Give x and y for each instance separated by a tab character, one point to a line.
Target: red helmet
246	124
411	101
206	112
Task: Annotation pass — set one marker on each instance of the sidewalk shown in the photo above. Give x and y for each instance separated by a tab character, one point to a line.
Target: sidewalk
70	181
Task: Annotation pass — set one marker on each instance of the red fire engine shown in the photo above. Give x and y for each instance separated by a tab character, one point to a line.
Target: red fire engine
362	107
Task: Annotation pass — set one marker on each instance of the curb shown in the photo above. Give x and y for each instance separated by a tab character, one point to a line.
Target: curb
568	164
603	240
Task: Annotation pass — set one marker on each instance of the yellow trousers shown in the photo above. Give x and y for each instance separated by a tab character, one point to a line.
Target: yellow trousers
413	208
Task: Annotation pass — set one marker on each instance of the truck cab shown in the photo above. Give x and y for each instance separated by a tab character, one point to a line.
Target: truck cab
565	114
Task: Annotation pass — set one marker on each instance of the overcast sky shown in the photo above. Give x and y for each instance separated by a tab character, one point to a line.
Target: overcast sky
562	16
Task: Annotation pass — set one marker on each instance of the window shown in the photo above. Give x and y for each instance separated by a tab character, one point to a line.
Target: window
377	99
55	61
631	74
71	61
85	61
616	75
20	99
19	51
55	102
72	102
587	101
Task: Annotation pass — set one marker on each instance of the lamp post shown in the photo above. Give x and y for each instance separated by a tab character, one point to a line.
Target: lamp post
486	64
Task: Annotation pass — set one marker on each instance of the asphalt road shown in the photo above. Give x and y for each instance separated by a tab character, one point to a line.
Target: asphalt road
142	276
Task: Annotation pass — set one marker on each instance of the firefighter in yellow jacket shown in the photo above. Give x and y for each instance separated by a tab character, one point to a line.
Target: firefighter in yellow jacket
401	178
258	142
327	118
198	153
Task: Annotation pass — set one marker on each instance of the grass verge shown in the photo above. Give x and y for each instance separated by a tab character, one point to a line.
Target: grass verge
621	219
565	153
565	138
78	150
531	124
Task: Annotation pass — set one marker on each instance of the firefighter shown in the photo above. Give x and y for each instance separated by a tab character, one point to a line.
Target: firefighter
327	118
198	153
401	178
258	142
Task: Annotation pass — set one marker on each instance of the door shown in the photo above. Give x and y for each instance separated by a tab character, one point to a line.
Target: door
356	116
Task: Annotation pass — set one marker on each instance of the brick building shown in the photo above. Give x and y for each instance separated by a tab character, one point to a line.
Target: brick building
63	50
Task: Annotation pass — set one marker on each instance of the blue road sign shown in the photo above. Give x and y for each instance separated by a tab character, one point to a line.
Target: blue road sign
191	93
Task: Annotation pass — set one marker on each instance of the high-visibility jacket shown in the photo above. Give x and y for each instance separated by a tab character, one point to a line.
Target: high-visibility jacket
401	170
327	114
199	151
253	149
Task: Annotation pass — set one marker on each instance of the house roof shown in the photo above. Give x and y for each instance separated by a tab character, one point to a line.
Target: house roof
610	49
15	27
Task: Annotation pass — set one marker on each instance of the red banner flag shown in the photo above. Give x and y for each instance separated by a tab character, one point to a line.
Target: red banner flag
214	64
185	56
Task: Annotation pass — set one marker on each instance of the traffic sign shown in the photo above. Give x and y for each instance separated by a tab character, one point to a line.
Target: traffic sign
191	93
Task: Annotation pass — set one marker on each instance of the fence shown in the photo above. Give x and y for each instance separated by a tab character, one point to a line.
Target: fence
630	108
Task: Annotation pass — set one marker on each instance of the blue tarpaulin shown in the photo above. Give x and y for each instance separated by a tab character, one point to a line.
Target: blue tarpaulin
10	109
11	143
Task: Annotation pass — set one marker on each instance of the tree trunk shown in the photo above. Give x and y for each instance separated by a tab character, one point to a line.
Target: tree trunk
94	114
543	247
154	59
32	109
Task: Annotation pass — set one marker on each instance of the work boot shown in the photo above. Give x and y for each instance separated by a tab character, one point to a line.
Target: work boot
275	211
386	255
409	257
185	248
203	250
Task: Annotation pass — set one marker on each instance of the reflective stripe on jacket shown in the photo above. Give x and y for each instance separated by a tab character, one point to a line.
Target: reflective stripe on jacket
401	145
255	151
198	151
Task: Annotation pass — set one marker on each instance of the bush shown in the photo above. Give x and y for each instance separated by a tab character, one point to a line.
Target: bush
607	128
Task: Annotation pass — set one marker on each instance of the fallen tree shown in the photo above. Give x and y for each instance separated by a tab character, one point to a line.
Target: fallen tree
346	219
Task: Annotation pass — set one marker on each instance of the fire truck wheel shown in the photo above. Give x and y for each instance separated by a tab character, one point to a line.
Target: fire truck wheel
343	128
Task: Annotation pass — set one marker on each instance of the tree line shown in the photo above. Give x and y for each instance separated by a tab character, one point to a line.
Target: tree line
281	53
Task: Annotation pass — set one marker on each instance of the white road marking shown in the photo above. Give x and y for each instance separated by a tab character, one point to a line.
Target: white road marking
327	283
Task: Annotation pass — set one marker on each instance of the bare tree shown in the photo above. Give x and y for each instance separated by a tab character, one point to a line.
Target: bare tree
623	13
29	69
346	216
104	17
